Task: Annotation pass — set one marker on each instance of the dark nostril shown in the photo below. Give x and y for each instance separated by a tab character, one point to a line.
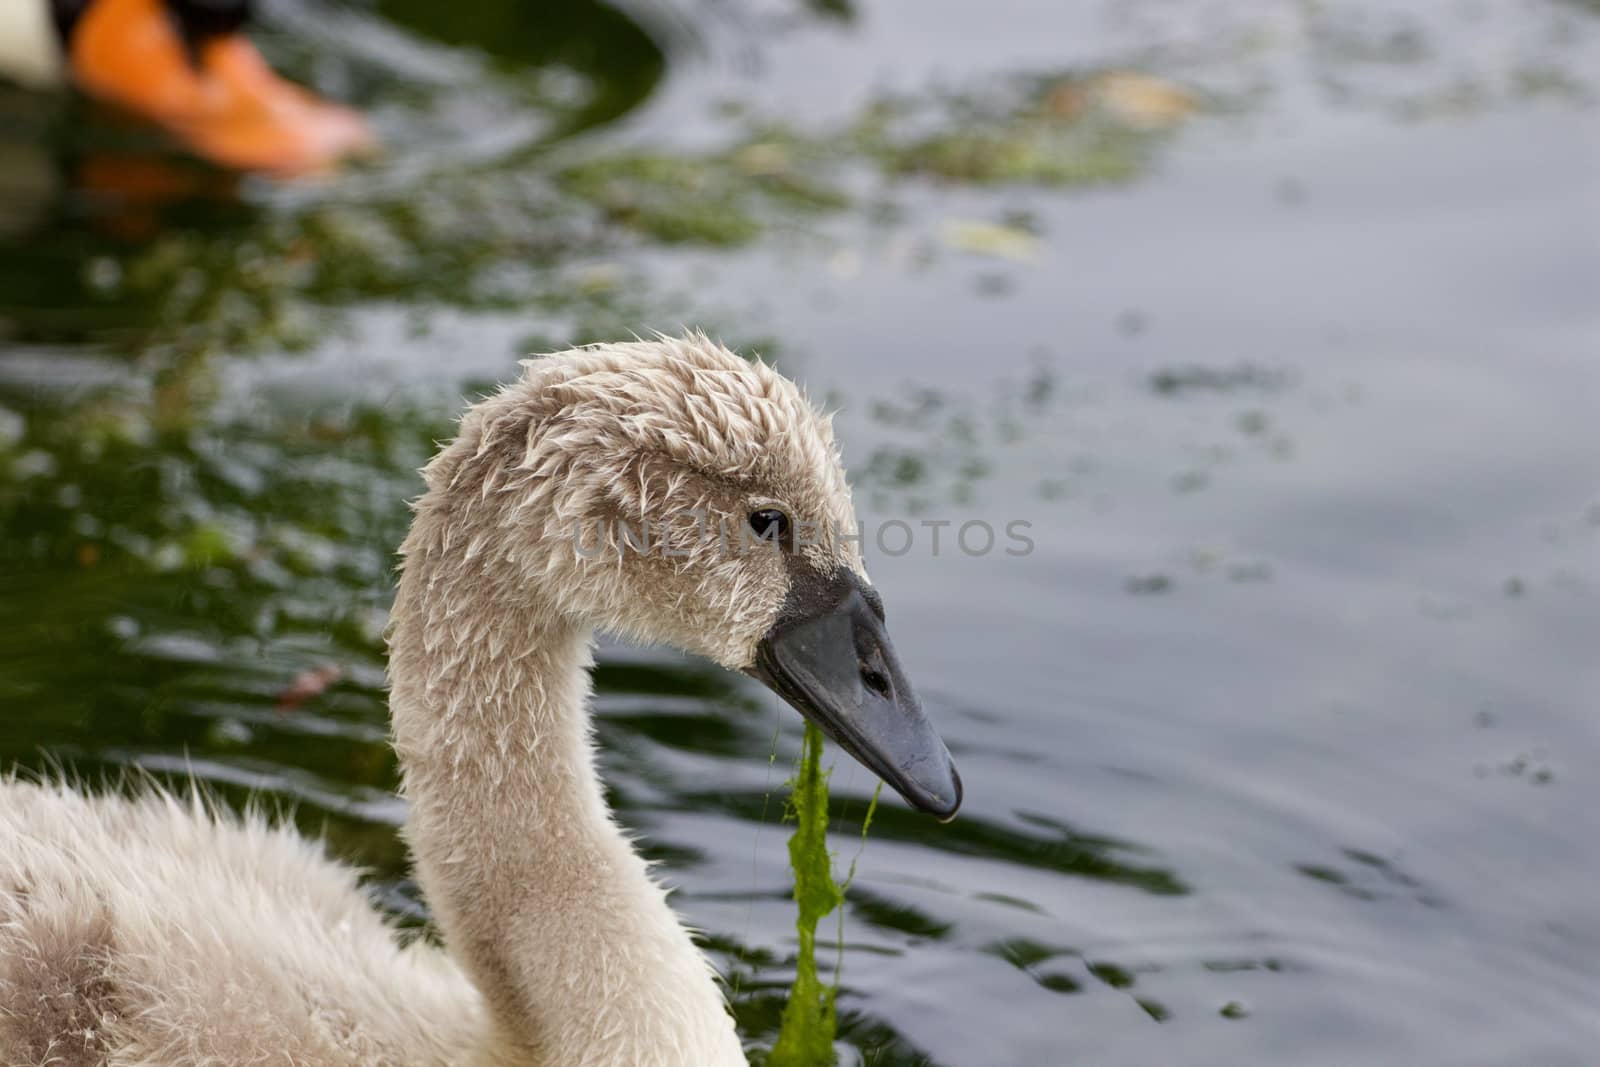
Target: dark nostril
875	681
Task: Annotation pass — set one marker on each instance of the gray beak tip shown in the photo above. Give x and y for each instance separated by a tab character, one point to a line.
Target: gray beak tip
942	801
949	814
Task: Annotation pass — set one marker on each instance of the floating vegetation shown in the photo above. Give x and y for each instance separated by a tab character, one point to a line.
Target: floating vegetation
724	198
180	264
1063	129
1394	62
991	239
1199	378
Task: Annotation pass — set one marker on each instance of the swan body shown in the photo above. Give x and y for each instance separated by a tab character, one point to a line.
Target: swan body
152	931
156	931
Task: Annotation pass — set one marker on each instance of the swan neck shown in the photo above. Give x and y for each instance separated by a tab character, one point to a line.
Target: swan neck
538	894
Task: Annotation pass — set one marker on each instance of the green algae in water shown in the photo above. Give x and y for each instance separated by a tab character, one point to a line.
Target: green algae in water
810	1020
805	1036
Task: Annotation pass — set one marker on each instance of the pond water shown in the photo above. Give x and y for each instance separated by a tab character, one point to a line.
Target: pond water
1276	322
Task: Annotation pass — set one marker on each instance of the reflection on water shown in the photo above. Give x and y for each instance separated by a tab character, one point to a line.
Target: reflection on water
1275	747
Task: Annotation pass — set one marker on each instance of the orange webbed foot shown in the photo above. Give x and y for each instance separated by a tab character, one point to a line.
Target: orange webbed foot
220	99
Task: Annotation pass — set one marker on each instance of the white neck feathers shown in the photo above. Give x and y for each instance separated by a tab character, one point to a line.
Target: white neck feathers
539	894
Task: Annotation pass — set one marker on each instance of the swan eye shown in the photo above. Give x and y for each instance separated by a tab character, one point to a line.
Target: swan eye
770	524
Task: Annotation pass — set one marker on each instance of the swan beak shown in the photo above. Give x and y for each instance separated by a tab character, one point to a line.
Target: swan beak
214	94
830	657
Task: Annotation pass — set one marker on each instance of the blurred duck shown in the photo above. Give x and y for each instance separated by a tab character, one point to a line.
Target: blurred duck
185	66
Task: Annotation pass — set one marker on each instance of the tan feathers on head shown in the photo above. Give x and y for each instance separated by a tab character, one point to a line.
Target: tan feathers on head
595	452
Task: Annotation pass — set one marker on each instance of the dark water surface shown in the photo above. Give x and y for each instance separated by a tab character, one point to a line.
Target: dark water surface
1279	322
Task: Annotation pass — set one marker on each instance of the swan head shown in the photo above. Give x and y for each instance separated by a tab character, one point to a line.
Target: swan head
672	492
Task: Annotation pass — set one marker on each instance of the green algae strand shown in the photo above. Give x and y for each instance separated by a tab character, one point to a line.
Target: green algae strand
805	1035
